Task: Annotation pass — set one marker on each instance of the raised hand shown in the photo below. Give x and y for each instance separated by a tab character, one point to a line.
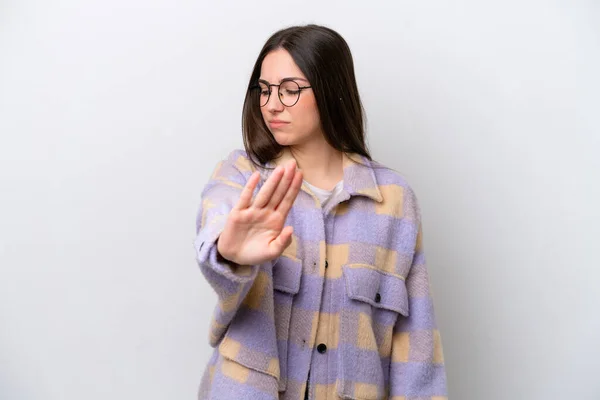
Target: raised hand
254	232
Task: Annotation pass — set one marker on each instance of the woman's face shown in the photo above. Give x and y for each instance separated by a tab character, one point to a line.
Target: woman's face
296	124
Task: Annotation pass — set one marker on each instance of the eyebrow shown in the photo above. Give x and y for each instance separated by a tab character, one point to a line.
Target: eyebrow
291	78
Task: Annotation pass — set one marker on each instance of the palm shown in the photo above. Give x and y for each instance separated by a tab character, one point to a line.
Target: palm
254	232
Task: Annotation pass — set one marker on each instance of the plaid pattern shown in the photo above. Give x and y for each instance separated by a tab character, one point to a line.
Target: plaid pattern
349	299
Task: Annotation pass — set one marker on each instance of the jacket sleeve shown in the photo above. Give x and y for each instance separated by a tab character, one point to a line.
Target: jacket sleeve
230	281
417	367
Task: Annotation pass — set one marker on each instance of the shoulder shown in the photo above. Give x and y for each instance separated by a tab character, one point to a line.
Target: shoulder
237	161
395	187
386	175
233	169
239	158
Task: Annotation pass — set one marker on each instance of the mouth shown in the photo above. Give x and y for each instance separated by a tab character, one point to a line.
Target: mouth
277	123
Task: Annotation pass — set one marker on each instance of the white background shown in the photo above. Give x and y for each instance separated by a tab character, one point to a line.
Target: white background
113	113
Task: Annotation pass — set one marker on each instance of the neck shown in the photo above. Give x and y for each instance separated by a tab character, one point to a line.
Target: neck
321	164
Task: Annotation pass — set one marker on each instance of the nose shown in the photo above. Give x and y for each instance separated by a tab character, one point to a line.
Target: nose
274	104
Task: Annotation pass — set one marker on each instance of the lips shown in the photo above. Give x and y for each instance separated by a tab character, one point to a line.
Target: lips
277	123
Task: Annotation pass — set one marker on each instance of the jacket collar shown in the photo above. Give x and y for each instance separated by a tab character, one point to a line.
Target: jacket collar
359	180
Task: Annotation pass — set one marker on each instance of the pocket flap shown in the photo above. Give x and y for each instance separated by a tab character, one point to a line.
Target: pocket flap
287	273
380	289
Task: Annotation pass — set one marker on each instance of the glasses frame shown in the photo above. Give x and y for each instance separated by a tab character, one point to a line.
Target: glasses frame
269	85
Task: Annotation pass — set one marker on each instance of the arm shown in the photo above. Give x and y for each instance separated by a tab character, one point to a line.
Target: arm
230	281
417	362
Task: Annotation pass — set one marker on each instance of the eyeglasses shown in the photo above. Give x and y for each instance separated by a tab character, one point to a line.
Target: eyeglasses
288	91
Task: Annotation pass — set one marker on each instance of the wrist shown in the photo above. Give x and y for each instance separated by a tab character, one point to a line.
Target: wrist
223	257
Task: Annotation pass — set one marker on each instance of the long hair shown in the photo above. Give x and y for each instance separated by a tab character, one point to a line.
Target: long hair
325	59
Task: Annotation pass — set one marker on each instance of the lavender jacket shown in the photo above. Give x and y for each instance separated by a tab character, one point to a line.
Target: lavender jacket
348	301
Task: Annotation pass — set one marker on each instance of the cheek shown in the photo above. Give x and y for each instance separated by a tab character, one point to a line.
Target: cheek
305	112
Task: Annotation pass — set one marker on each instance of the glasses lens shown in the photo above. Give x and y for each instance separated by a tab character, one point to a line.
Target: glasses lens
289	91
263	94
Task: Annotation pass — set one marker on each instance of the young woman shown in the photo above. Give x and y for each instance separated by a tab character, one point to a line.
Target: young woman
313	248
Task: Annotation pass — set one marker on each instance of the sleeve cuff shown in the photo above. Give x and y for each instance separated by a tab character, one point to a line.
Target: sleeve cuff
206	253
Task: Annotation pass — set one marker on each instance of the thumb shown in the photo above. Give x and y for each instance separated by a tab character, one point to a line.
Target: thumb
284	239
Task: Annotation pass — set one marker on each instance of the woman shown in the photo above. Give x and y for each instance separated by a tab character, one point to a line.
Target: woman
312	247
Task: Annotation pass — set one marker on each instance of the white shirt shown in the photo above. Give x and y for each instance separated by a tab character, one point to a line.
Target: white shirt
323	195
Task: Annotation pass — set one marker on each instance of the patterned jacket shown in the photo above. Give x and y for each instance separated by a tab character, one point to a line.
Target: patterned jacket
346	310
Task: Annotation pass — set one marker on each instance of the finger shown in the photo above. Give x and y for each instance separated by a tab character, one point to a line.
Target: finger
246	196
265	193
284	184
288	200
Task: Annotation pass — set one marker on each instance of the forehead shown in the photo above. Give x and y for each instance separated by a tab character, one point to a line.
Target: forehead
278	65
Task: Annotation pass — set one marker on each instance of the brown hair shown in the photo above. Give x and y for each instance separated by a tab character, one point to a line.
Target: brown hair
324	57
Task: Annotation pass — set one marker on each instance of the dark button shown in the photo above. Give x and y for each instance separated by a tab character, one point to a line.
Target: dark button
377	298
326	264
322	348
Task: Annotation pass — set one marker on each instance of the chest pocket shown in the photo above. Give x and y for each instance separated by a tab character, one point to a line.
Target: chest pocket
379	289
373	300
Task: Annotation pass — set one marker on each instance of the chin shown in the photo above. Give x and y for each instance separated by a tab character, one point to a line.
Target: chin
284	139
